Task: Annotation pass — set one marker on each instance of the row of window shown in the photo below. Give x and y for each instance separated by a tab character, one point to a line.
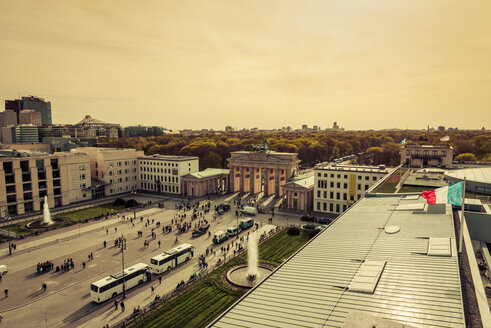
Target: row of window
120	163
321	194
159	170
426	152
8	167
119	180
159	178
28	195
120	189
345	176
323	185
28	186
163	187
333	208
160	163
10	179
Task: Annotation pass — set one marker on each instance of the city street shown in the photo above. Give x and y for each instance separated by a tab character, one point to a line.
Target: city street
66	301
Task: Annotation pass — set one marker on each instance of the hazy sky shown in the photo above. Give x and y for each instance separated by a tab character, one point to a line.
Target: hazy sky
207	64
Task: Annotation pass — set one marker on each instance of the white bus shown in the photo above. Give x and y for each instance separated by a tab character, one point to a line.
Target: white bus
172	258
112	285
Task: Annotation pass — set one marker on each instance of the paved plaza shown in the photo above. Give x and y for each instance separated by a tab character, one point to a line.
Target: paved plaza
66	301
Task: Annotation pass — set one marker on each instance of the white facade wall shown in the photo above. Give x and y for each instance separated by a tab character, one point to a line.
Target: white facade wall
79	179
336	188
163	173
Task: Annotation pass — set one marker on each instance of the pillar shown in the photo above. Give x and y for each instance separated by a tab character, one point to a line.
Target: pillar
252	180
266	181
232	177
277	182
241	189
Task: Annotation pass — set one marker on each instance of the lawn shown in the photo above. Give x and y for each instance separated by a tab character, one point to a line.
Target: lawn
90	212
414	189
390	184
203	303
20	228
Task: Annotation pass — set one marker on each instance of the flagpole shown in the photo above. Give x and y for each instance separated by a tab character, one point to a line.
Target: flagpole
462	219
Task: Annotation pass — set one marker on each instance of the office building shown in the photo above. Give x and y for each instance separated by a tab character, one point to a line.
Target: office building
113	170
27	116
162	173
427	156
142	131
337	187
20	134
33	103
26	177
8	118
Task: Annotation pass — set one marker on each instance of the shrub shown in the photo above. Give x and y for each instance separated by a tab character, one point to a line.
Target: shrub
119	202
131	203
293	231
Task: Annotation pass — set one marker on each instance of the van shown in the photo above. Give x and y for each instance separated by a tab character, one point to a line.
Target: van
220	236
233	230
249	210
246	223
3	270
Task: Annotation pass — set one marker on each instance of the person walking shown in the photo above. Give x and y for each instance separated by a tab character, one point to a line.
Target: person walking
122	306
115	305
6	292
159	243
153	289
44	286
160	280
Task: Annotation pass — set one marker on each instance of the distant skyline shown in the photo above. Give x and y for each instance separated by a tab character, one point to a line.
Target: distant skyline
206	64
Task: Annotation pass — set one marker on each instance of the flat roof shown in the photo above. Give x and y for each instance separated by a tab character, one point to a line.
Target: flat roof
312	288
351	168
209	172
303	181
169	158
481	174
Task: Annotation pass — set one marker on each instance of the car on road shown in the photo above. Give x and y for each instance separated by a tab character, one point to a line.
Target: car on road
324	220
3	270
321	227
233	230
246	223
222	208
201	230
308	226
308	218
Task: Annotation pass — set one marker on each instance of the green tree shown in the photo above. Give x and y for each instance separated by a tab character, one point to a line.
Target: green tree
466	157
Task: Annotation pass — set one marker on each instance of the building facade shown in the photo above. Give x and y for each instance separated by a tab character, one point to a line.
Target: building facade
25	134
299	193
27	116
211	181
261	171
142	131
162	173
337	187
427	156
8	118
26	178
113	170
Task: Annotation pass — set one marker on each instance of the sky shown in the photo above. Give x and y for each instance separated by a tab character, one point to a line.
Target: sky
208	64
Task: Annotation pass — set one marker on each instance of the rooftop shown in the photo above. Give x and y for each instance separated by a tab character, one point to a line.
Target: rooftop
333	276
481	174
169	158
303	181
209	172
352	168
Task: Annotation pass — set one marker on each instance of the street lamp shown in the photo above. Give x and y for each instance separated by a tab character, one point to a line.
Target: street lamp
134	207
7	218
122	246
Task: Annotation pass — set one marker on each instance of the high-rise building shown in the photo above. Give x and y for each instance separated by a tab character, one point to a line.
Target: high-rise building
142	131
8	118
20	134
34	103
28	116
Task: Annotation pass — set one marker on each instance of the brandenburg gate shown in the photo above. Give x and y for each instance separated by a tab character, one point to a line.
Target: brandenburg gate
261	170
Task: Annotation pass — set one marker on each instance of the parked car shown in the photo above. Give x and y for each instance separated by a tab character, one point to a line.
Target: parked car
324	220
220	236
308	226
3	270
201	230
246	223
308	218
222	208
321	227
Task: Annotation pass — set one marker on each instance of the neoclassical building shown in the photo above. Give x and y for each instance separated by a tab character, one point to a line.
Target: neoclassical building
261	171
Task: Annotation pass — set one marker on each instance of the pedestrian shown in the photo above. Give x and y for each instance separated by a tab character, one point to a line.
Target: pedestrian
104	244
6	291
153	289
115	305
160	280
83	265
122	306
44	286
115	229
107	231
91	256
159	243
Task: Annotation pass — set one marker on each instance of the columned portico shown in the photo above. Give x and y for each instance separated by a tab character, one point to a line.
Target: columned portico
254	171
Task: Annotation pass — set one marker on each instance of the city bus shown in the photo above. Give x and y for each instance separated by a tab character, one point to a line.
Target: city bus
246	223
233	230
112	285
172	258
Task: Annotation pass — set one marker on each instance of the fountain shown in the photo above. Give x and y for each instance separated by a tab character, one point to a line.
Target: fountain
247	276
47	221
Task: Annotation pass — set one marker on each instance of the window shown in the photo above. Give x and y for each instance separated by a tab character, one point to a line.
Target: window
337	208
54	163
42	184
82	176
24	165
325	194
324	206
83	186
8	168
27	186
366	187
26	177
359	186
345	196
119	163
338	195
11	189
325	175
359	177
40	164
41	175
81	167
339	176
331	207
318	174
344	208
56	183
346	176
332	175
11	198
318	193
332	184
345	186
338	184
367	178
331	194
352	197
374	178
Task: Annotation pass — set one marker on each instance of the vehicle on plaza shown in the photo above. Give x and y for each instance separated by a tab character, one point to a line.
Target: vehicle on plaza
111	286
3	270
309	226
321	227
324	220
172	258
201	230
233	230
222	208
249	210
246	223
220	236
308	218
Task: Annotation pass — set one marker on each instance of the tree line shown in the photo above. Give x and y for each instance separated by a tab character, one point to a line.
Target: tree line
378	147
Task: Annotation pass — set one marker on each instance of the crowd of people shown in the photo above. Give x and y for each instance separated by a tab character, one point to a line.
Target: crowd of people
43	267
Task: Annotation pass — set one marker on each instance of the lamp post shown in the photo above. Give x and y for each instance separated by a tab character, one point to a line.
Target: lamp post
122	246
7	218
134	207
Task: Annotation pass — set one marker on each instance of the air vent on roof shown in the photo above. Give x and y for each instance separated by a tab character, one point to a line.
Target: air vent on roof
439	246
411	197
411	207
367	277
392	229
